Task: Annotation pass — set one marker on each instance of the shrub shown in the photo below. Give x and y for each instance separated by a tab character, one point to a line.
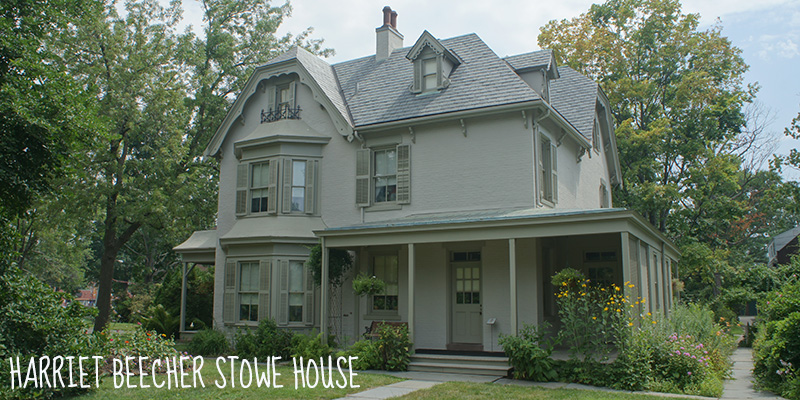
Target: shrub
161	321
367	285
209	342
266	341
777	353
311	347
593	317
34	323
393	347
367	353
529	354
137	343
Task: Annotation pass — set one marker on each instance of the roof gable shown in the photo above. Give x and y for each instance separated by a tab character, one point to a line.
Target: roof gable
534	60
312	71
574	96
427	40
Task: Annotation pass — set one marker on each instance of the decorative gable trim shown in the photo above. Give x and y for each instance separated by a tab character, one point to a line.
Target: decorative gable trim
254	83
427	40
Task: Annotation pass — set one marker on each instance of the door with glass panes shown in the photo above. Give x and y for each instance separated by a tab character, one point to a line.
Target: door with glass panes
467	324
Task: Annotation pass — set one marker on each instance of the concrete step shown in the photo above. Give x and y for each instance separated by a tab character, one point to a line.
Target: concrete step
457	364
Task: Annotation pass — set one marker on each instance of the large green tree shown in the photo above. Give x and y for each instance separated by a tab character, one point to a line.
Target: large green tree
678	100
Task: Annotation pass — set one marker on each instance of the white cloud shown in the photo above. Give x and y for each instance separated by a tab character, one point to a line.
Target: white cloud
784	46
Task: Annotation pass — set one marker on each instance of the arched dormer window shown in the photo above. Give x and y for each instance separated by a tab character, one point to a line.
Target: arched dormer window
433	64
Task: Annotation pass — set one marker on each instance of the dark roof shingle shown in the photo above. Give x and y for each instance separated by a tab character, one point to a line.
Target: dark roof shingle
574	96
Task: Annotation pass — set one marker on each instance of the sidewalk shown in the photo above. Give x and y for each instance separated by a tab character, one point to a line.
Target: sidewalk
741	386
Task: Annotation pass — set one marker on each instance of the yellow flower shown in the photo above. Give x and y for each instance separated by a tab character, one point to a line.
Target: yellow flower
654	322
594	317
630	286
618	310
630	323
583	294
602	289
649	314
616	288
605	309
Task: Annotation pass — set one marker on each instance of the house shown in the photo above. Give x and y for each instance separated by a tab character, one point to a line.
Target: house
87	297
462	179
783	246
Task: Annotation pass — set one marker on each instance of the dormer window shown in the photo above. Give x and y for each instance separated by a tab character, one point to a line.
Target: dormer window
433	64
429	75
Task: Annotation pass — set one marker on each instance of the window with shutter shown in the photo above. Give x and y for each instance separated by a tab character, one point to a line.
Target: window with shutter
546	166
404	174
363	164
554	172
311	175
260	187
385	268
241	189
264	289
249	290
283	302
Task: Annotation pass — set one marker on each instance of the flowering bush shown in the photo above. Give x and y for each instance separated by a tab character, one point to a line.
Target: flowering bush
529	353
593	317
682	361
137	343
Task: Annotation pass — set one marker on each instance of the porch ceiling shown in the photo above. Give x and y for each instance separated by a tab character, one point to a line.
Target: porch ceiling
494	224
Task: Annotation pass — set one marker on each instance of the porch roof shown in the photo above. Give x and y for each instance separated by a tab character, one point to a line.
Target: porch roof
200	247
506	223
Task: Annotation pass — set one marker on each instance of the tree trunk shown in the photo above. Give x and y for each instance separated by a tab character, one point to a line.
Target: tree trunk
107	261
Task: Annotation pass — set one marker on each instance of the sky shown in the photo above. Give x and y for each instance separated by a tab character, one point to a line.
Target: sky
767	32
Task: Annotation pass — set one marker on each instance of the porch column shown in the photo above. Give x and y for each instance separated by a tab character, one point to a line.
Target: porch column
411	268
183	297
626	261
323	307
512	277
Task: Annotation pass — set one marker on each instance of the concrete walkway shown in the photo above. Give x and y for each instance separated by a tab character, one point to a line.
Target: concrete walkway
741	386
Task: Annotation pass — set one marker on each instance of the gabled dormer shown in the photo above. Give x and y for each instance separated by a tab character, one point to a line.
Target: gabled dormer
433	64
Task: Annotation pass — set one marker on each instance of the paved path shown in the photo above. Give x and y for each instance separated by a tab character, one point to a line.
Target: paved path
741	386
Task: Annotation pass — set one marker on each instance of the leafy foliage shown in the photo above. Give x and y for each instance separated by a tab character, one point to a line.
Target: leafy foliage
339	264
137	343
266	341
367	352
393	347
160	320
529	353
311	347
34	323
209	342
364	285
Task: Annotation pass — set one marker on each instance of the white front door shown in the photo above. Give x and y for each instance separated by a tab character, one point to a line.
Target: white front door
466	311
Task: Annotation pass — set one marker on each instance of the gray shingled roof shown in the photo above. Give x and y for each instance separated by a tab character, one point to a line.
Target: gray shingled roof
782	239
574	96
321	72
530	60
379	92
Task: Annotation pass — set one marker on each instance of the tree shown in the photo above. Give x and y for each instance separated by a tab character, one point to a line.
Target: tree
690	144
160	95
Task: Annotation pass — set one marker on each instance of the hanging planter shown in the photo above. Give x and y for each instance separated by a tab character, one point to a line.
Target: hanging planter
367	285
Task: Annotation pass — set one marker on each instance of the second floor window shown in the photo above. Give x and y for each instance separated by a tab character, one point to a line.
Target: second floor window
298	186
259	187
385	175
548	167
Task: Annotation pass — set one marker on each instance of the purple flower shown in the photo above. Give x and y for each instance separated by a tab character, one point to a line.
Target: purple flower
690	372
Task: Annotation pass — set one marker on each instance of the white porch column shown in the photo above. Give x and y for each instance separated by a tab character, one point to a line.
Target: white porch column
183	297
625	243
512	277
323	307
411	267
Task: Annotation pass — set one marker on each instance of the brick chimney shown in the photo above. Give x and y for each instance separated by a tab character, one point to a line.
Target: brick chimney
388	38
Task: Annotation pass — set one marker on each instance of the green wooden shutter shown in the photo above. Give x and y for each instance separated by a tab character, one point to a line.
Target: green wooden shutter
404	174
286	207
311	176
554	171
540	173
272	189
271	97
263	290
241	188
283	303
229	297
363	174
308	305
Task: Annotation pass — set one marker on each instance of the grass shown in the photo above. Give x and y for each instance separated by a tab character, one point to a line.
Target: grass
211	391
469	390
122	326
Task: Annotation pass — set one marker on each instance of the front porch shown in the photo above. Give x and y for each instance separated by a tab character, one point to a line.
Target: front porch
464	279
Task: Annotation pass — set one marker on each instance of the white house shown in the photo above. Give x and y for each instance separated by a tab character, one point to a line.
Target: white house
462	179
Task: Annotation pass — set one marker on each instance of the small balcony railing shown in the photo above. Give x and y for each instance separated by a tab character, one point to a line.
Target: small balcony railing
284	112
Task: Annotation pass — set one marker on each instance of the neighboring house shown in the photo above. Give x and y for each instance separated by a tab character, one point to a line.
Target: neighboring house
87	297
783	246
462	179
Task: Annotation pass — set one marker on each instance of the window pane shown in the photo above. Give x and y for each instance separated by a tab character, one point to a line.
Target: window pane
295	313
429	66
295	276
391	289
476	298
298	199
459	286
475	273
298	173
391	162
467	273
380	190
429	82
381	161
391	189
260	176
296	299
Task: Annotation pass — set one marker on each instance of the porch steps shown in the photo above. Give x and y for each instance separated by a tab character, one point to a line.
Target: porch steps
460	364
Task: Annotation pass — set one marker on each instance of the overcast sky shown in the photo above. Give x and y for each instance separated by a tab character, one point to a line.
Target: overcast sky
767	31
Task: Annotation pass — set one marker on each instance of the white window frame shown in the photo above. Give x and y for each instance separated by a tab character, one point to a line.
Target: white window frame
375	176
548	171
252	188
301	292
432	62
252	291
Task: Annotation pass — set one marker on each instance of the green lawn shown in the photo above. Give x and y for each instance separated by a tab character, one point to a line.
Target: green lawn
469	390
210	391
122	326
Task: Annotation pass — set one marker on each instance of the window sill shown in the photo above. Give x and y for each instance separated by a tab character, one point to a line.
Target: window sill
382	317
548	203
384	207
